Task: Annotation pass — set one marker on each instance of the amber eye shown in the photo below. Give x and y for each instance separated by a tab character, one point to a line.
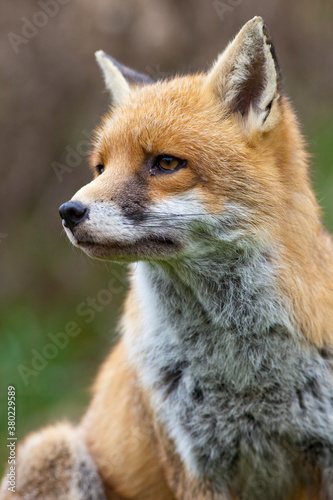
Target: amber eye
164	163
99	169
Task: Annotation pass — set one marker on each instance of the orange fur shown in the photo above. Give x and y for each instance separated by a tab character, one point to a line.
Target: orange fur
120	434
268	172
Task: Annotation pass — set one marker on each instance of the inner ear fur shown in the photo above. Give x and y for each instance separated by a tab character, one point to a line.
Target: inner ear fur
246	76
118	78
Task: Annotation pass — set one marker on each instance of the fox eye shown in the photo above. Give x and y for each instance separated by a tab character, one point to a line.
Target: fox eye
99	169
166	163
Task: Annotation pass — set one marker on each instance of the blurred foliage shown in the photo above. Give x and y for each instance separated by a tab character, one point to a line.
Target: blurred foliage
56	386
320	138
51	93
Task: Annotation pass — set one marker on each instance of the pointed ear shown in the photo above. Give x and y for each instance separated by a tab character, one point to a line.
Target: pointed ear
118	78
246	77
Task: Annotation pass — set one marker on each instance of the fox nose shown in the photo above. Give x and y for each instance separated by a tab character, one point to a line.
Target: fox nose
72	213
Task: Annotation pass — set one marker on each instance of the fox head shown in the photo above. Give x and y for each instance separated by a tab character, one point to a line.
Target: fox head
191	164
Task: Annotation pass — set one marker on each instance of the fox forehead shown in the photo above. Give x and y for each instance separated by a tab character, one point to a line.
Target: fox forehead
177	117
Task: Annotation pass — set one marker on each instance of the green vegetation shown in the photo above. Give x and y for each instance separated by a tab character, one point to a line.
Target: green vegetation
49	390
321	147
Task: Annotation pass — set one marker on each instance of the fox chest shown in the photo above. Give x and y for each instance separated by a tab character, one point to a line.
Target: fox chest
247	407
249	420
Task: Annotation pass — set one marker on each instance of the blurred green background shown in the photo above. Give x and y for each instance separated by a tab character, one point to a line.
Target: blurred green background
51	96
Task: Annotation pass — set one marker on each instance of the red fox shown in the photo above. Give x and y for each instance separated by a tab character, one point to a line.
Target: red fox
221	385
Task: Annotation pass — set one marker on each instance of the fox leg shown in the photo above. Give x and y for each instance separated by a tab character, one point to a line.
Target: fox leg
54	464
111	455
118	452
119	431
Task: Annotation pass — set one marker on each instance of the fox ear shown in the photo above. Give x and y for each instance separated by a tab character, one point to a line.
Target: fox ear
246	77
118	78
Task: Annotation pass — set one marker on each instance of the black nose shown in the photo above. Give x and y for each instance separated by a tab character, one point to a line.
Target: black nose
72	213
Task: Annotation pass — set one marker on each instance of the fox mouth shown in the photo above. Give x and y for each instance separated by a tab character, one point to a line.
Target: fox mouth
144	248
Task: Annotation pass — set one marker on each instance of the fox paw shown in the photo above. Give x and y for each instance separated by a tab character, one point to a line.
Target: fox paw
54	464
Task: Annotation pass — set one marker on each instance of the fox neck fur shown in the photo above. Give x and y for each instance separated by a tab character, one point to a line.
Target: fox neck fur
242	396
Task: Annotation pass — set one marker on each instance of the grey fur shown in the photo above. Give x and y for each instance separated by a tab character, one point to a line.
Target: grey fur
55	464
247	402
87	482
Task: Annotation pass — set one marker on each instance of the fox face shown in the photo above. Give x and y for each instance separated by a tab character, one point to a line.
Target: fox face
187	166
